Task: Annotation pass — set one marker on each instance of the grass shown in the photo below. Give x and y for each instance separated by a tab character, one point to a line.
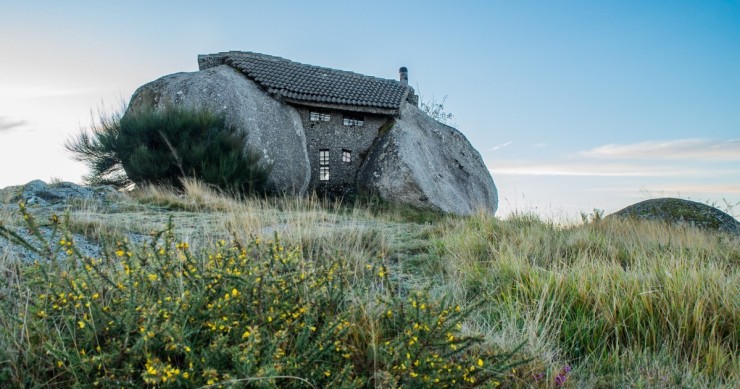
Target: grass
610	303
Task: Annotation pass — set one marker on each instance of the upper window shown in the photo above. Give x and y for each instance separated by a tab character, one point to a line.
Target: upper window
354	120
319	117
346	155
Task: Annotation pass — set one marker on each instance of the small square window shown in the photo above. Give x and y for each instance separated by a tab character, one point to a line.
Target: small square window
324	173
346	155
319	117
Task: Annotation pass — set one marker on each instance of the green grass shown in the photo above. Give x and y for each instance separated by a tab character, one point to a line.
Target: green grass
621	303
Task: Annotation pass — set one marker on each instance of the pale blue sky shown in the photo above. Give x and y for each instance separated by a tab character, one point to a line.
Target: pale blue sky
573	105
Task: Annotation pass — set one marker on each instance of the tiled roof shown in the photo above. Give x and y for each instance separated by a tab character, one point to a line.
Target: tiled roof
313	85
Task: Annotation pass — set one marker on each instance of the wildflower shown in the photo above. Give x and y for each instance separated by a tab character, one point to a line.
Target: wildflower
120	253
327	373
81	324
480	362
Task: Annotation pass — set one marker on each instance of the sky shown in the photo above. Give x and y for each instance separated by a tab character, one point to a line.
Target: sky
573	105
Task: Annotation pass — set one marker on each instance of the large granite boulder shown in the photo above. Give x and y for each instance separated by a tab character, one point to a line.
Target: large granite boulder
429	165
274	129
682	212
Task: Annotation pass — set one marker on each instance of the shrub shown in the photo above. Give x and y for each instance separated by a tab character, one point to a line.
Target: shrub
162	147
255	313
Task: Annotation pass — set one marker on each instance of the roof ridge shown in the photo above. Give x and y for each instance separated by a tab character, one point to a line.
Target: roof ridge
306	84
348	72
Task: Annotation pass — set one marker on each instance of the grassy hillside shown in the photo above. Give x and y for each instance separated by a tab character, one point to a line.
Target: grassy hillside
607	304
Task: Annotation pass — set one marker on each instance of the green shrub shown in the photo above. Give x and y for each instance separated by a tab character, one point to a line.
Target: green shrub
256	314
163	146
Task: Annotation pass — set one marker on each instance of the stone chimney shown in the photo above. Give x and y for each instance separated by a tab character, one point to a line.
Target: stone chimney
403	75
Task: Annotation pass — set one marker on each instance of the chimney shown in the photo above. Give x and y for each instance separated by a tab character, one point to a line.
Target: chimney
403	75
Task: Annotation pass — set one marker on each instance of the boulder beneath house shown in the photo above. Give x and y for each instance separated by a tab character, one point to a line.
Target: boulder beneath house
426	164
273	128
681	212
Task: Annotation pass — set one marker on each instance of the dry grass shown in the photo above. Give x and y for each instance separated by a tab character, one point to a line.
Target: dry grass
624	303
606	296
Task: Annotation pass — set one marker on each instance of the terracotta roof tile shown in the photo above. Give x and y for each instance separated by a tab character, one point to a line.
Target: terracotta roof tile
303	83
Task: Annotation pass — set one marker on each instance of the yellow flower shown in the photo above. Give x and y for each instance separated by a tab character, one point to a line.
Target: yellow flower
120	253
152	277
234	292
60	363
480	362
81	324
327	373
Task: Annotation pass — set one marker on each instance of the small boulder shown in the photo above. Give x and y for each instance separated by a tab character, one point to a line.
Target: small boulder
39	193
426	164
682	212
274	129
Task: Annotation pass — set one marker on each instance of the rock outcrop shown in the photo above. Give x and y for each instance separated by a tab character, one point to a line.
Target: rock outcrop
682	212
424	163
39	193
42	200
273	128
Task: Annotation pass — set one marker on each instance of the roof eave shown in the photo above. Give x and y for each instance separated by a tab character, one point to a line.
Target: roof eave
344	107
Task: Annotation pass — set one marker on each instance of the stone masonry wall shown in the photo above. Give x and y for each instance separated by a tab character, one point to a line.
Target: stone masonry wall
336	137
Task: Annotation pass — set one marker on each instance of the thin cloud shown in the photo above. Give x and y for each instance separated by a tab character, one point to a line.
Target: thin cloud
602	169
715	189
501	146
6	124
681	149
31	92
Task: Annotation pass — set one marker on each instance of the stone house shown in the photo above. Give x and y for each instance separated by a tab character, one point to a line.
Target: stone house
342	112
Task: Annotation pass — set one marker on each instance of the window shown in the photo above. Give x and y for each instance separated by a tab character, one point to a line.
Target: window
324	165
319	117
324	173
346	155
354	120
324	157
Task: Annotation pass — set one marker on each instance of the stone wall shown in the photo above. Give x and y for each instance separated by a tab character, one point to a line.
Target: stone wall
335	137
